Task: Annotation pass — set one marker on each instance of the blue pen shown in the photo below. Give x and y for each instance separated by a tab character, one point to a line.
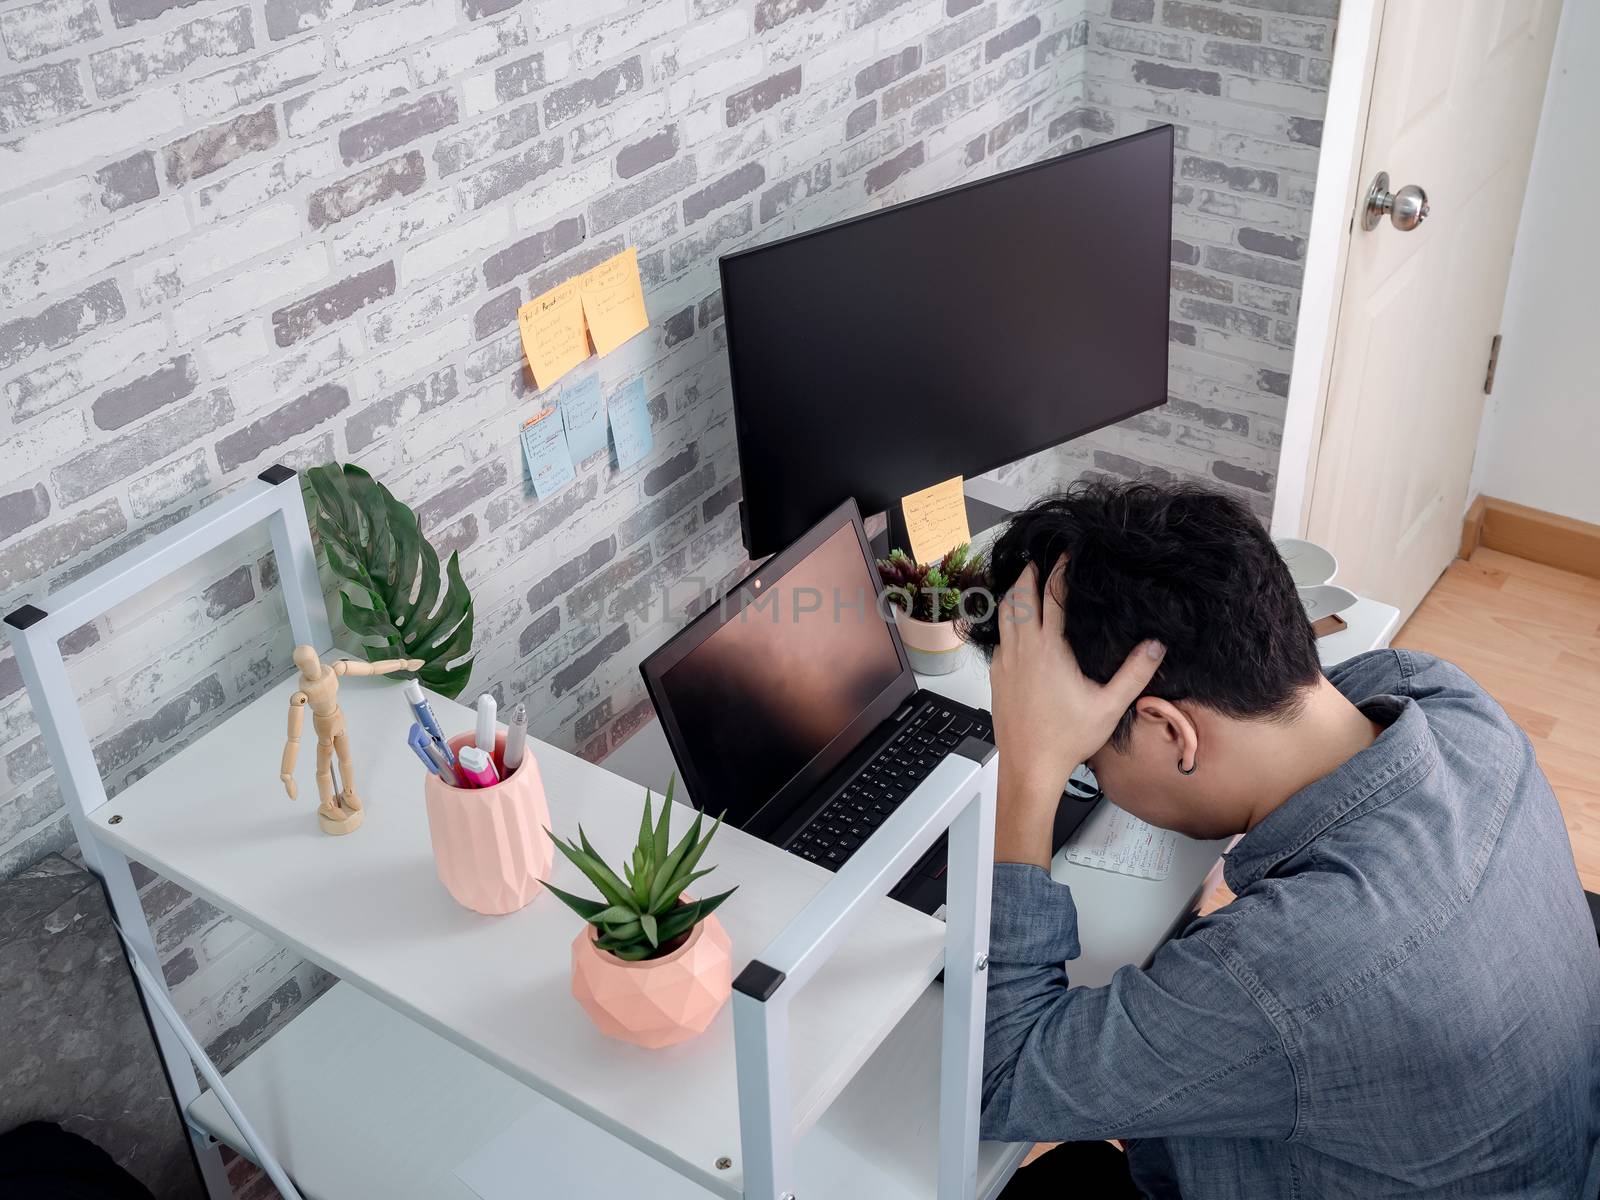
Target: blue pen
419	742
423	711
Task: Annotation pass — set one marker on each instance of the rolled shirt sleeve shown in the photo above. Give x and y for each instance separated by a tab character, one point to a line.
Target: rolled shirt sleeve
1179	1048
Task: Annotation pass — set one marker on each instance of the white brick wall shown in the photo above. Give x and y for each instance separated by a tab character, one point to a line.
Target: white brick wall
1246	86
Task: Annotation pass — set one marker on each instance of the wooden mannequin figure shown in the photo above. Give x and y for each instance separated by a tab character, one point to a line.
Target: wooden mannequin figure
340	811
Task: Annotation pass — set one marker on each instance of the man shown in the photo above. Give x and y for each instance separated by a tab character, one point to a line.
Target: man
1404	997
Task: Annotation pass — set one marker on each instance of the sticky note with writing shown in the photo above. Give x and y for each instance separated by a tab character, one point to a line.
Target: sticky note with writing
630	424
583	415
936	520
613	301
544	442
554	336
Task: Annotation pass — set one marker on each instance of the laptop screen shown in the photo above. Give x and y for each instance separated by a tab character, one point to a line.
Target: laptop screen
799	655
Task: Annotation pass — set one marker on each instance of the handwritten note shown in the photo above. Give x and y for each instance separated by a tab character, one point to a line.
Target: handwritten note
583	416
554	335
613	301
936	520
544	442
1113	840
630	425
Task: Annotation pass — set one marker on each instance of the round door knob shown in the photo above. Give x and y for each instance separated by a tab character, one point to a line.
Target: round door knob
1406	208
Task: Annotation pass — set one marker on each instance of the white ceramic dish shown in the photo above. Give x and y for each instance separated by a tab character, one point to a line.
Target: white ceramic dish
1309	564
1326	599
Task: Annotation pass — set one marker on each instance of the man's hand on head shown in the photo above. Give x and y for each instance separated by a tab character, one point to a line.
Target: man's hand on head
1048	715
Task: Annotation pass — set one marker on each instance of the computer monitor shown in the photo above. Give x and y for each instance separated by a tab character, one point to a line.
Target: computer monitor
949	335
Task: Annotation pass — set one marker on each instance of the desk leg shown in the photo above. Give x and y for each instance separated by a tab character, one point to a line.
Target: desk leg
61	727
766	1100
968	883
128	914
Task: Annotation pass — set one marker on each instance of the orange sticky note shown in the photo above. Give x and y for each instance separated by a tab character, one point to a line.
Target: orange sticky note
613	301
554	336
936	520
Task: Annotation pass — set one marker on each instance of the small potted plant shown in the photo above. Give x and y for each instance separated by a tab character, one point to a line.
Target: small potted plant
651	966
928	600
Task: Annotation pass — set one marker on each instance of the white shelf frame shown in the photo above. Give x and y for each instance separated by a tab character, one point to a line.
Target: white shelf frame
272	498
958	796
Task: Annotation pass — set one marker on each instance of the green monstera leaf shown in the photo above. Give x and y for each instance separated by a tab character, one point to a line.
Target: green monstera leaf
392	600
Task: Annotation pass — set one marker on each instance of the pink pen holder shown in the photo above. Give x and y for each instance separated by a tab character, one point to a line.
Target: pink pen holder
490	844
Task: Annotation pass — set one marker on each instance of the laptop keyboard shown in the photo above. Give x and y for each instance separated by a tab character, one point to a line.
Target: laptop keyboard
883	783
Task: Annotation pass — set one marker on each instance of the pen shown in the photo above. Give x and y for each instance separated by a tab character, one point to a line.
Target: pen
484	739
419	741
516	738
441	764
423	711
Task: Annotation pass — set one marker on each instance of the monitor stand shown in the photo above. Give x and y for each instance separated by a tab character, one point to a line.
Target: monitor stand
988	504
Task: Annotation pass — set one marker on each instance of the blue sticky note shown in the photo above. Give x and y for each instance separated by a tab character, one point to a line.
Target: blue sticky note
630	425
544	442
583	416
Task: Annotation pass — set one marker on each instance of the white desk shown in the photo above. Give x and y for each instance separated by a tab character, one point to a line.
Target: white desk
360	1099
369	908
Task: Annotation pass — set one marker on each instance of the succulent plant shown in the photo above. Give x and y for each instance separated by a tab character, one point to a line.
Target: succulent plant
932	591
640	914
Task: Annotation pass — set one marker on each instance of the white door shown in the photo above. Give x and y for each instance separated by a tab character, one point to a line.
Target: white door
1456	95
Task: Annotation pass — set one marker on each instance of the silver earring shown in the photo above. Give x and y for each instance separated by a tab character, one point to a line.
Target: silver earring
1183	770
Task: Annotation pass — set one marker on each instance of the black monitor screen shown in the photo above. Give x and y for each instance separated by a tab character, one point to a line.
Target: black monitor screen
950	335
766	693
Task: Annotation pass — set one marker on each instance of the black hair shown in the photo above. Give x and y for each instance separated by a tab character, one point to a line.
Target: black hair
1180	563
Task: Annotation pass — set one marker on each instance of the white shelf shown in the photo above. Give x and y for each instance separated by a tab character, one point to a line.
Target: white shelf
360	1101
369	908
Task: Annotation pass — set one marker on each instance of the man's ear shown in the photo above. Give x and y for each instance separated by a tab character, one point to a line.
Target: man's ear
1166	720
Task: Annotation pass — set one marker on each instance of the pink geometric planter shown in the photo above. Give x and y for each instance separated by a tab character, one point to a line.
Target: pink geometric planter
489	844
656	1002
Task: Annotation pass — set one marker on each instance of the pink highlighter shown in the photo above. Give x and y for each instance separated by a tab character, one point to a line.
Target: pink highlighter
476	767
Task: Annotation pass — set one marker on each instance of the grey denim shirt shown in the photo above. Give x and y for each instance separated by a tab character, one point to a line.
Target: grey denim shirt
1403	1000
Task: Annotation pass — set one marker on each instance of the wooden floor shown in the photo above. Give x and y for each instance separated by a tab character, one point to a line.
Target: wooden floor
1530	635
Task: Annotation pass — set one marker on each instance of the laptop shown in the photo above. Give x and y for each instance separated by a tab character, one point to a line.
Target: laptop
791	708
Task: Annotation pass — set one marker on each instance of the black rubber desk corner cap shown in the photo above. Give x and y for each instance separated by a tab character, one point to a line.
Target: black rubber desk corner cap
277	473
28	614
976	749
759	980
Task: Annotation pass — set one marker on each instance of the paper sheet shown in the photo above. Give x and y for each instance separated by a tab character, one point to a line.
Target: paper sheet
613	301
936	520
1113	840
583	415
544	442
630	425
554	336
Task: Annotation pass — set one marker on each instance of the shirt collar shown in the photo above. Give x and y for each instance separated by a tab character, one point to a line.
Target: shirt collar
1403	752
